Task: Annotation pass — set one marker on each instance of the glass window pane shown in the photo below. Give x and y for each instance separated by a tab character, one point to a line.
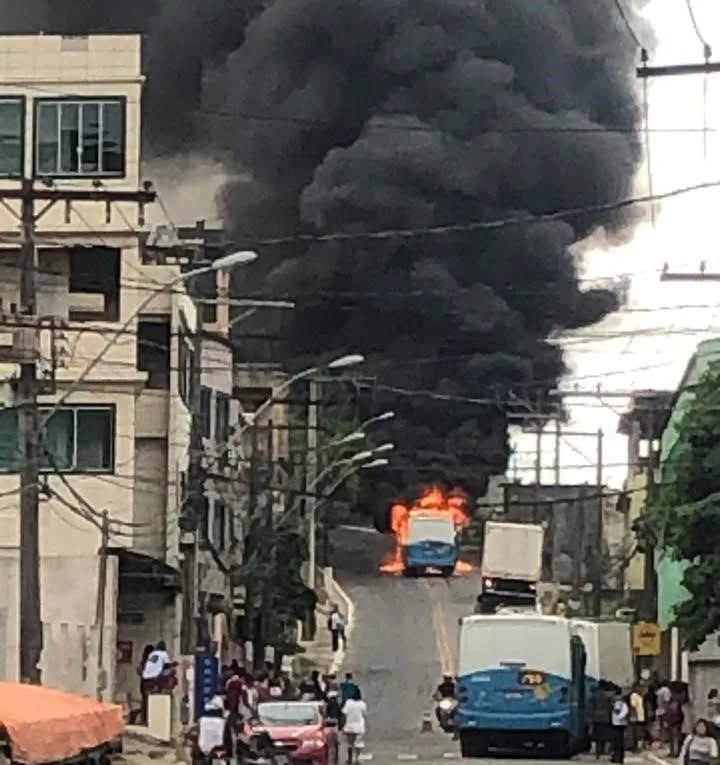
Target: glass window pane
69	138
95	439
9	442
59	441
47	139
90	137
113	138
11	129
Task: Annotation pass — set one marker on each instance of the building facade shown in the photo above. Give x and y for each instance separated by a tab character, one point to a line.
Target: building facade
70	110
700	668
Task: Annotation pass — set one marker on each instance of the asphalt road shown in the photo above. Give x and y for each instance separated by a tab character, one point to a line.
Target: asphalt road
404	637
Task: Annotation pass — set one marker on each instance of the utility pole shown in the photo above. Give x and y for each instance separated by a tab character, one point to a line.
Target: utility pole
578	557
27	389
538	469
311	474
649	576
31	635
100	612
558	437
190	628
599	536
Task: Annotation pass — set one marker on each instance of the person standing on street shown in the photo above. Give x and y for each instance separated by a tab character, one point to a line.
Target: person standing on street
347	687
336	625
638	720
599	713
354	713
618	722
699	748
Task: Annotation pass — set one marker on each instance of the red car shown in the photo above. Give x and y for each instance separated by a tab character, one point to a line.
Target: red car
300	731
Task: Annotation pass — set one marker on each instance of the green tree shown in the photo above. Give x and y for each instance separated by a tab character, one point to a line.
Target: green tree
686	517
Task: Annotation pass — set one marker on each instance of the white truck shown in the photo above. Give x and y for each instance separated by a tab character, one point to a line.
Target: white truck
608	645
511	566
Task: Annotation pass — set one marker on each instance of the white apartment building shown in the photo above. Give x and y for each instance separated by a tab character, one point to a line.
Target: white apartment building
70	118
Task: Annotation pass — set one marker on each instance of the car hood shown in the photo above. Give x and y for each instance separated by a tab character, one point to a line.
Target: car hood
289	731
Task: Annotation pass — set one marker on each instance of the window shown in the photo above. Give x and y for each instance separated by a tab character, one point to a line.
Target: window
83	137
184	365
78	439
219	537
94	284
206	286
12	113
153	351
205	410
222	417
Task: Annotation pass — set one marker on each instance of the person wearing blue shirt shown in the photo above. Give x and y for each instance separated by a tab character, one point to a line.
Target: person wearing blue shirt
347	688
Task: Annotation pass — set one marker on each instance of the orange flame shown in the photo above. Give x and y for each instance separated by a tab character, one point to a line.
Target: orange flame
432	501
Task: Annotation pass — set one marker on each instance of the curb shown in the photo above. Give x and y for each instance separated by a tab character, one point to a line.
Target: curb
350	607
655	758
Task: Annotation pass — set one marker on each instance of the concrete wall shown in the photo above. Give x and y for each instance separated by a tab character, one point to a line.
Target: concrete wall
70	653
143	619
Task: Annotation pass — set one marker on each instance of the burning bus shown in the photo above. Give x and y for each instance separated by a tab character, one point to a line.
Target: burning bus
426	533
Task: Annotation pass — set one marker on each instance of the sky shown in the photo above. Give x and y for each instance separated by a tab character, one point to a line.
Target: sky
649	342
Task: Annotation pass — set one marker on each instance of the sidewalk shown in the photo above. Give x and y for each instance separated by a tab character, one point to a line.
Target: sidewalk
318	653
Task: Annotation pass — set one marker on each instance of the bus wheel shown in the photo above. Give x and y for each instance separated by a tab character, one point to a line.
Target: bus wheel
410	572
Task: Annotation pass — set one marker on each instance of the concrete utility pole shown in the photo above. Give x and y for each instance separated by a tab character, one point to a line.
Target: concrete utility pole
649	575
596	565
27	391
311	474
191	632
100	613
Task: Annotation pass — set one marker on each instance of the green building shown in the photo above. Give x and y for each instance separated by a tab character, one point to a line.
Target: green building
670	572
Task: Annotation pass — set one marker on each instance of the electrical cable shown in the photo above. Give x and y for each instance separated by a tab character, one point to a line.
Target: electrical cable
628	26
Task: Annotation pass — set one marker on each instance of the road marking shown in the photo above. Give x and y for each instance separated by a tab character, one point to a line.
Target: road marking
451	755
407	757
365	756
442	642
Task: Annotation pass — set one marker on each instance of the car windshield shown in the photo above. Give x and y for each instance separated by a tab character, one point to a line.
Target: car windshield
288	713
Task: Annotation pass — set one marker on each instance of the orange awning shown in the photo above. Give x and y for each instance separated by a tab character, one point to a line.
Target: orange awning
46	725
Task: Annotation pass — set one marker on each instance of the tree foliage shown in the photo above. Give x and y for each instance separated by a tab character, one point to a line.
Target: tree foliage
686	518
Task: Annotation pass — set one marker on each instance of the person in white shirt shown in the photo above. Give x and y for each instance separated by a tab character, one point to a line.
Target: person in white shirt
336	623
354	713
155	664
619	718
212	730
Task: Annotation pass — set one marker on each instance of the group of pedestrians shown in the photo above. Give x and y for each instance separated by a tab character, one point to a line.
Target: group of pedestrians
343	703
659	712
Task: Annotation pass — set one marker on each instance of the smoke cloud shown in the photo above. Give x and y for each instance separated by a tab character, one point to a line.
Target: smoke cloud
406	115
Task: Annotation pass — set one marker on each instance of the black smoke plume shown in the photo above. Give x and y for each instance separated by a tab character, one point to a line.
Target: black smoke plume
406	115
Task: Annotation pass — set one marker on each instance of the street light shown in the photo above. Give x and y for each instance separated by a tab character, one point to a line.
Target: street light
343	362
380	462
225	263
350	360
351	438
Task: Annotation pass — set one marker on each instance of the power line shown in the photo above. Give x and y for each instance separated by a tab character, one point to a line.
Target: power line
707	51
489	225
628	26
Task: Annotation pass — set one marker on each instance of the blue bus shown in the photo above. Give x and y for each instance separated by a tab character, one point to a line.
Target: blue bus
521	683
431	544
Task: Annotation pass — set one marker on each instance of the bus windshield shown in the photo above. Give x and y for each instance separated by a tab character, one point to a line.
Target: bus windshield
492	642
431	530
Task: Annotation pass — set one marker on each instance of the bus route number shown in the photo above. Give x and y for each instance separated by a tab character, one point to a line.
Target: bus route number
532	678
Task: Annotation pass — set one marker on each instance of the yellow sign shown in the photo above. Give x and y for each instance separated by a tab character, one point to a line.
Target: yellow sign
646	639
